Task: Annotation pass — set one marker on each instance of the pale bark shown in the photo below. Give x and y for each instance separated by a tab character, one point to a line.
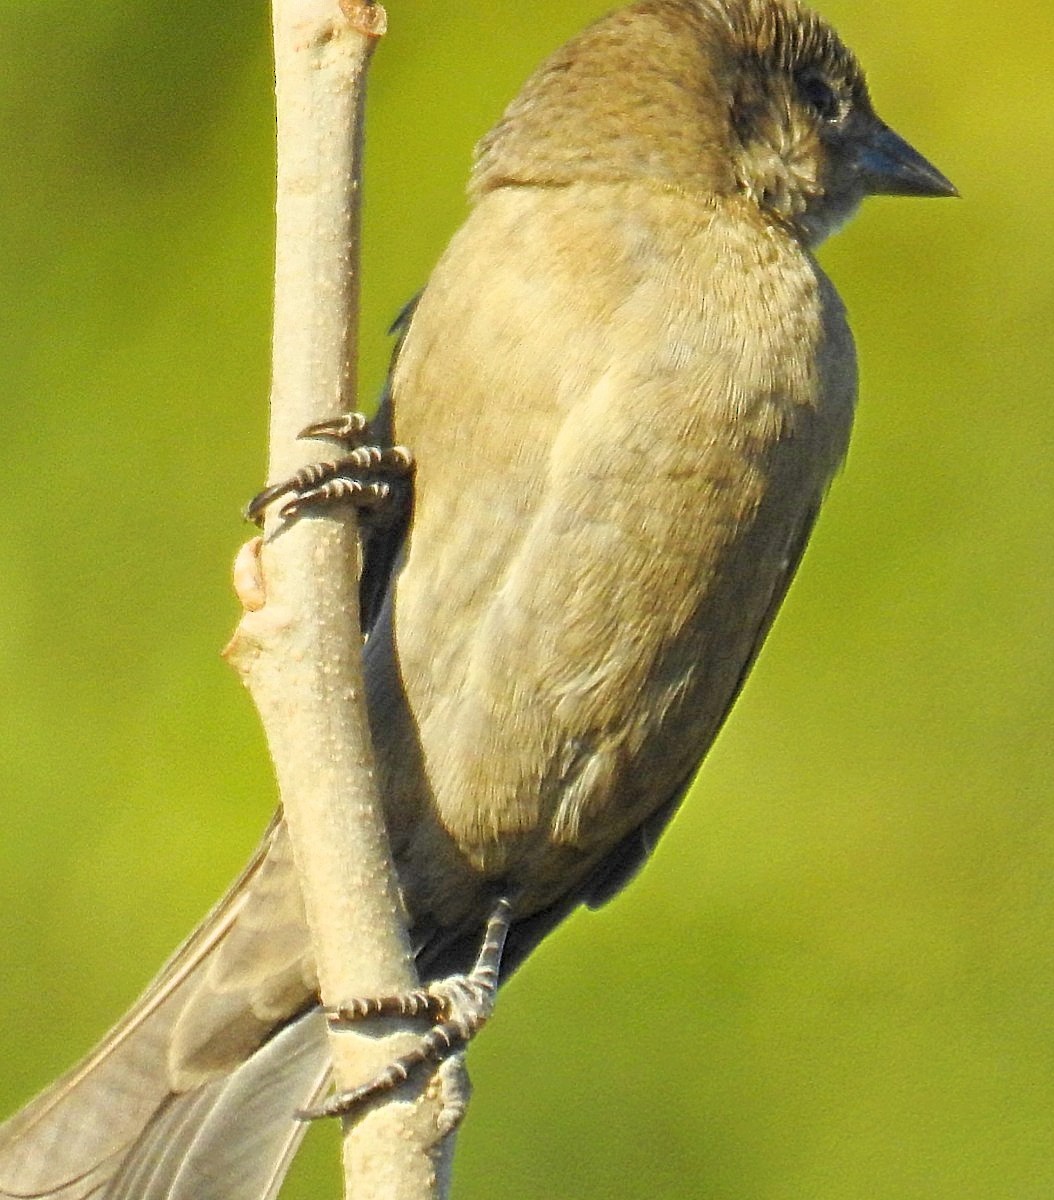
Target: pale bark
297	645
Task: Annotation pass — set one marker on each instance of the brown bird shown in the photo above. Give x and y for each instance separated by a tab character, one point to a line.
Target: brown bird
627	386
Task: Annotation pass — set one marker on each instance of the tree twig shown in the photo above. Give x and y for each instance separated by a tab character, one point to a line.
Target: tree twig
299	652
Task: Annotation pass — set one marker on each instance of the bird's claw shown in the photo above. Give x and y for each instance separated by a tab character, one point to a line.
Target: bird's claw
347	428
374	478
458	1006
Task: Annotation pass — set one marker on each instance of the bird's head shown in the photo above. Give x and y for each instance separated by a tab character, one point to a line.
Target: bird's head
807	145
758	98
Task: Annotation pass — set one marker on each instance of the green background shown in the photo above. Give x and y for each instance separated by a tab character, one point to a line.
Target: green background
834	979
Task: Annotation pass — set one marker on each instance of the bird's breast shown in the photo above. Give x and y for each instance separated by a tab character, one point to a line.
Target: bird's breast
624	403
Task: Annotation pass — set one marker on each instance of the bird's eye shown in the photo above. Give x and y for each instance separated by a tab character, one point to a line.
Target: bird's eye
816	93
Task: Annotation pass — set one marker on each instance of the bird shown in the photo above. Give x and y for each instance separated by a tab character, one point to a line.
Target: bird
627	386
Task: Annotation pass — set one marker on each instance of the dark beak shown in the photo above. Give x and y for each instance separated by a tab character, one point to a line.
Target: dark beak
888	166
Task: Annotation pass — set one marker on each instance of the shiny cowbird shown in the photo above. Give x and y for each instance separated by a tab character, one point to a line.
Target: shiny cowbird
627	386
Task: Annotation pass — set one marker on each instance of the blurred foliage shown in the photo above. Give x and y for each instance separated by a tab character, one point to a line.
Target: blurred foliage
849	928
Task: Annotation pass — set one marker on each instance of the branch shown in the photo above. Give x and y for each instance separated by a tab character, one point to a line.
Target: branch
299	653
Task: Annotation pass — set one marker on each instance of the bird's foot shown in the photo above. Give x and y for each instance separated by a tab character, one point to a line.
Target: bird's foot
458	1006
375	479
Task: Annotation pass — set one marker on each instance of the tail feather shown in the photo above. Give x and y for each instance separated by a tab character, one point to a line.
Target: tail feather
233	1138
88	1120
126	1125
